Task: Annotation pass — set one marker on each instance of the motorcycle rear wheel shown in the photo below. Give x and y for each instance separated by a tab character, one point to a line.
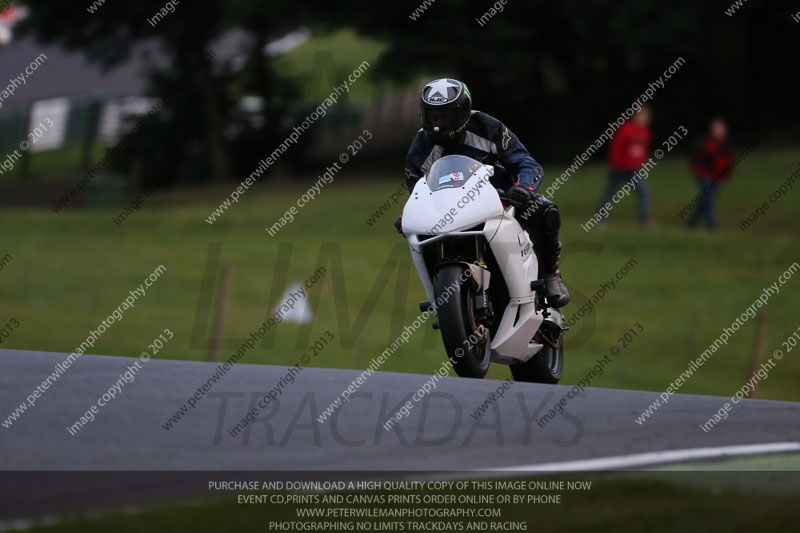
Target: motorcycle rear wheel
547	365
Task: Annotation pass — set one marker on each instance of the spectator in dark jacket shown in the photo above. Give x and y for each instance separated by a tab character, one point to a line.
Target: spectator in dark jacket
711	164
626	155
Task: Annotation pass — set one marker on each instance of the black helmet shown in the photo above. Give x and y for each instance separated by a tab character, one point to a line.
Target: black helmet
445	107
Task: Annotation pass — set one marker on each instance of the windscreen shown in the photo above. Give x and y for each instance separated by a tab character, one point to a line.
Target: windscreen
451	171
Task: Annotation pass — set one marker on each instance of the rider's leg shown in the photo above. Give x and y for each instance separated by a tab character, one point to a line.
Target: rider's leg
543	228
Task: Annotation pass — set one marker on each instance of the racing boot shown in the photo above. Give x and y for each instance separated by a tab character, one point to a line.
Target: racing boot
554	288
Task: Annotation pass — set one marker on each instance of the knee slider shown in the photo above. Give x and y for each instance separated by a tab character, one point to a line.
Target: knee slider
551	218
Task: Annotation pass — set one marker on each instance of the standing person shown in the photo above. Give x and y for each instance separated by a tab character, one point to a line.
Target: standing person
711	165
626	155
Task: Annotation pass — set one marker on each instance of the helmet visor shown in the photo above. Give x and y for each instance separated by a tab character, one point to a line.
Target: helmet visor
444	118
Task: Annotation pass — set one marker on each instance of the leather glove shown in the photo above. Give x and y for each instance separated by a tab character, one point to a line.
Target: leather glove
522	193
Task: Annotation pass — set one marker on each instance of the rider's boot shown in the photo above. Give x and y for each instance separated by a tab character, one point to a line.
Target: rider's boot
555	290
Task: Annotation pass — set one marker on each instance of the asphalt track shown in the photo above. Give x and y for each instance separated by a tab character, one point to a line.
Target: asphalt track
125	456
439	434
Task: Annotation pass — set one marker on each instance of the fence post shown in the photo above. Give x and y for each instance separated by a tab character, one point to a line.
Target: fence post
25	160
758	347
220	309
90	132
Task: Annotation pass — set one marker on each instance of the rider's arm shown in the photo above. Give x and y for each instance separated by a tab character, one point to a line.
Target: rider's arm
412	176
513	155
414	160
517	159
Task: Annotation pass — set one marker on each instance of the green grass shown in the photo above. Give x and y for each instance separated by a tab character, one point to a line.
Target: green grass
70	270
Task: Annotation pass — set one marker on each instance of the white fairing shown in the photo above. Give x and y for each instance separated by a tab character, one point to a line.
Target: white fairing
429	213
435	216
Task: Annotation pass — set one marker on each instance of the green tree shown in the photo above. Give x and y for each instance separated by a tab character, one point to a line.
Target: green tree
189	137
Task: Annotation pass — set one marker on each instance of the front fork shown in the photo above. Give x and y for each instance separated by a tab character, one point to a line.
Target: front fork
479	272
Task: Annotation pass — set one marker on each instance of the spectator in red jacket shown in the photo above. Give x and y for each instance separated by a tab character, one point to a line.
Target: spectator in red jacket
626	155
711	164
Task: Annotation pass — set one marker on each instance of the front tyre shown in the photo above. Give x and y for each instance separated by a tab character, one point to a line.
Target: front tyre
465	341
547	365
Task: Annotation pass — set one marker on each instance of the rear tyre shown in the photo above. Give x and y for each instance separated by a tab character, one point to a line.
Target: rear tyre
460	331
547	365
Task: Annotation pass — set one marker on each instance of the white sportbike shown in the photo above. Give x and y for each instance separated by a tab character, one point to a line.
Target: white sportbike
480	274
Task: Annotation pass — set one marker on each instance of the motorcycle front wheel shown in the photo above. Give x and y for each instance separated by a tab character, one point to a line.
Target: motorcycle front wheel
465	341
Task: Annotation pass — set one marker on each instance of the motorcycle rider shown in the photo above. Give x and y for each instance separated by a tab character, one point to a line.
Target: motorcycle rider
451	127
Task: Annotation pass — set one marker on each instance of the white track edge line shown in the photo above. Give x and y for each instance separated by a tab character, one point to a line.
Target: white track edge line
652	458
